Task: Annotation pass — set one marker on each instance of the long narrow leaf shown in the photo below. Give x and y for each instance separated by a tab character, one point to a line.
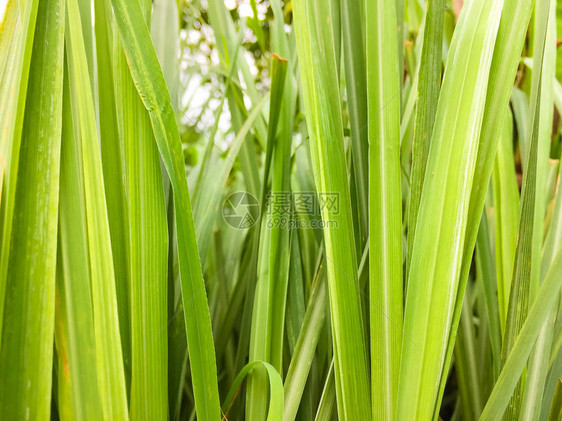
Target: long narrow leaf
513	367
147	254
539	360
434	274
506	206
526	271
152	88
109	359
12	108
321	99
112	163
385	207
428	95
26	356
356	88
79	392
511	36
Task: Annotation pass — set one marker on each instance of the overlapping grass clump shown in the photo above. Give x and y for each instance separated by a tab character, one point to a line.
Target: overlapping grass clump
305	209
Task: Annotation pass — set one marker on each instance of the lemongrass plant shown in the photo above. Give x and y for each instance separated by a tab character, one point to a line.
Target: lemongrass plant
283	210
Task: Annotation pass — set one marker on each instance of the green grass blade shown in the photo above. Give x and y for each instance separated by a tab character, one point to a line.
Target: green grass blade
8	32
148	263
305	348
537	371
9	36
556	407
553	241
296	301
506	207
550	386
520	106
486	272
12	107
279	251
106	326
429	80
147	254
527	258
112	164
515	362
79	393
510	40
165	33
540	358
356	83
275	412
268	318
85	8
433	279
466	363
326	405
321	100
385	207
150	83
526	271
26	356
260	335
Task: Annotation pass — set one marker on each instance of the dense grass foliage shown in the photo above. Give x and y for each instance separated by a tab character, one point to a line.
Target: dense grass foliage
280	210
